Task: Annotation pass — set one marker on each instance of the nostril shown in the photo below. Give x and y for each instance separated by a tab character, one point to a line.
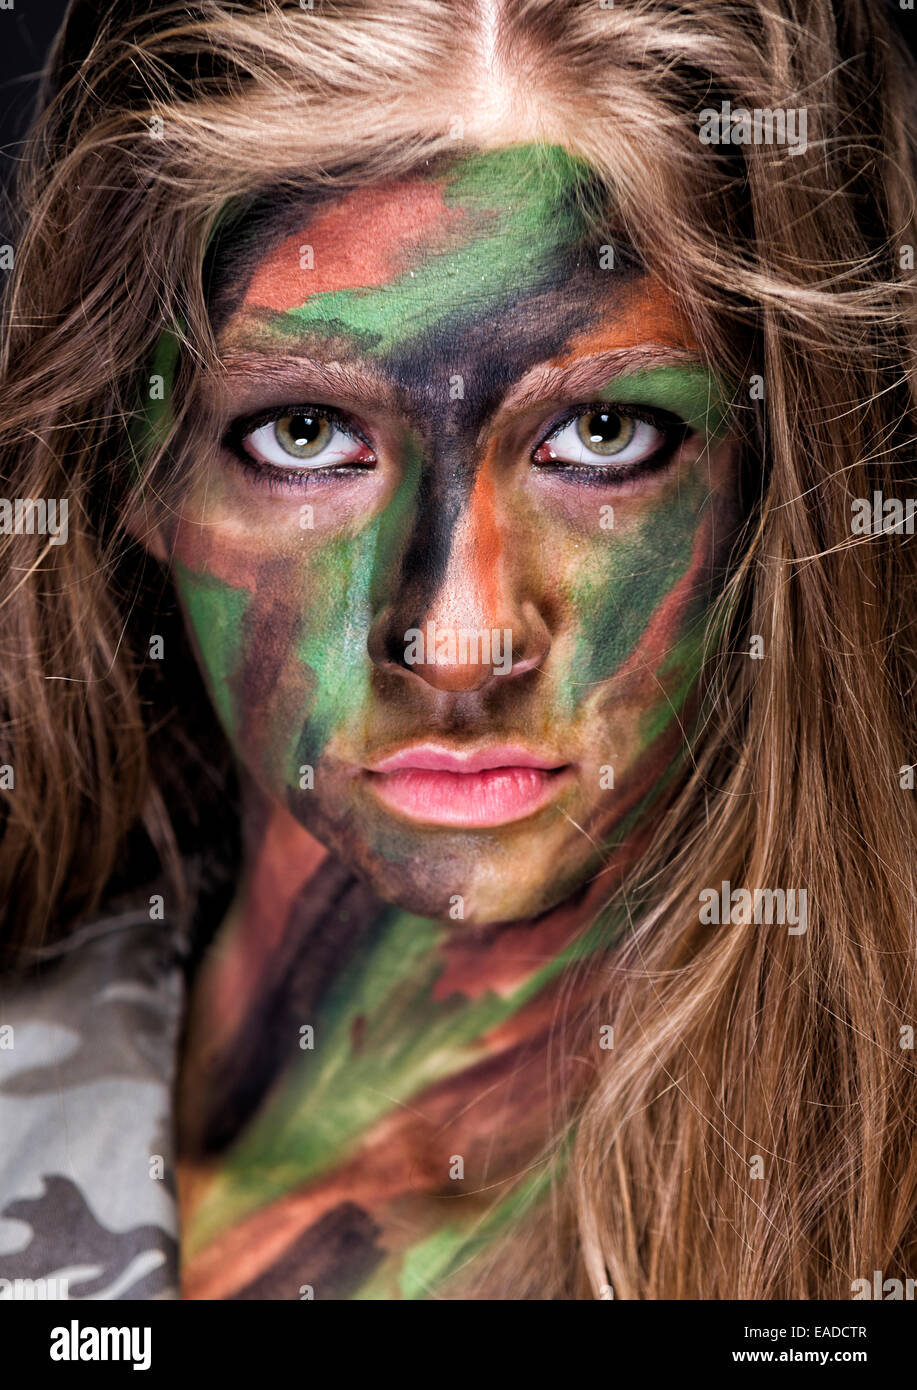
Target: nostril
527	663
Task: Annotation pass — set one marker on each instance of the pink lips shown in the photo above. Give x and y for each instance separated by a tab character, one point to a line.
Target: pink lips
489	786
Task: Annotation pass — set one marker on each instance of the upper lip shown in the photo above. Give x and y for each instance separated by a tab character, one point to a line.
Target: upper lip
431	757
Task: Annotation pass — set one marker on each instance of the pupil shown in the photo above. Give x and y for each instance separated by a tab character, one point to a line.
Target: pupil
604	427
304	429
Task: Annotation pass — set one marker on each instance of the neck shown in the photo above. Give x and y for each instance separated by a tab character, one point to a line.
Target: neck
344	1056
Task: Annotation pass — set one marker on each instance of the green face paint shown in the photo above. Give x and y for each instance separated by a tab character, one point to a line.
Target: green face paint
488	245
693	393
152	424
215	614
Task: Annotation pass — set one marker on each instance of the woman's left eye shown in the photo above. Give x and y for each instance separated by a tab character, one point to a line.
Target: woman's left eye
602	437
305	439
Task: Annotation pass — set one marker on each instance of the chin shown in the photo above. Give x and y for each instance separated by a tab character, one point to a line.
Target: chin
461	909
454	876
448	897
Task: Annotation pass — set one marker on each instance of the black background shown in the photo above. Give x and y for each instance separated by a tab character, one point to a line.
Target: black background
26	33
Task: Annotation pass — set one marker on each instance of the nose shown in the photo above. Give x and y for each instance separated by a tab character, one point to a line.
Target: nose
460	619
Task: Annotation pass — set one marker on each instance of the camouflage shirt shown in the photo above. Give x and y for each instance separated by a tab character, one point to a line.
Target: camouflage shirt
88	1047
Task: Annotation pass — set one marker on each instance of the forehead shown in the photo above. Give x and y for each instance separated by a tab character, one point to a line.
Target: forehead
487	262
475	223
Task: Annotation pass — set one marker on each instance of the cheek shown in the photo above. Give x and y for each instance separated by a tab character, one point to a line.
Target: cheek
330	649
280	618
633	583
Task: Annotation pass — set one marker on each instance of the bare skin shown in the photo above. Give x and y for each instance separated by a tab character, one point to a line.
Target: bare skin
489	433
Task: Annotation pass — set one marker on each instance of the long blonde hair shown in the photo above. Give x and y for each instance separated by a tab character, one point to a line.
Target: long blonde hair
750	1135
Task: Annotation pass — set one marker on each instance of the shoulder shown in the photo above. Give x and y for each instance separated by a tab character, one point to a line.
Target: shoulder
88	1044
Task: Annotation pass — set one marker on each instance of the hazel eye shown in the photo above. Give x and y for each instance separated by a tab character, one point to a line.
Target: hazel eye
305	437
601	437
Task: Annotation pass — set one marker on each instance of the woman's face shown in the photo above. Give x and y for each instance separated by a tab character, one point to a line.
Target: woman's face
448	570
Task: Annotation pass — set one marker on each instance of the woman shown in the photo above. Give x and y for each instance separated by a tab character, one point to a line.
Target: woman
485	401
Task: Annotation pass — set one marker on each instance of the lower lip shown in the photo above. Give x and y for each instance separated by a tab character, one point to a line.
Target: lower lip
470	799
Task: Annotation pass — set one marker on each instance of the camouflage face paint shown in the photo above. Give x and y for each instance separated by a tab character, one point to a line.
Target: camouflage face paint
419	310
461	326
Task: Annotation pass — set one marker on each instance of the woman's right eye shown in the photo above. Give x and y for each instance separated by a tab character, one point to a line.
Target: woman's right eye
305	439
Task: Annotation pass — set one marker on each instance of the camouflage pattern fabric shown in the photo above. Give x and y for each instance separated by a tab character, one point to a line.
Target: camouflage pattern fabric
88	1043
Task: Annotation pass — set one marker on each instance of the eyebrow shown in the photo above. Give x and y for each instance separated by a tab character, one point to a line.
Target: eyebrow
354	380
360	383
590	373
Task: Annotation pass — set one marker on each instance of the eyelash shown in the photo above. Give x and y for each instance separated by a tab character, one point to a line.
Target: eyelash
672	427
268	474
